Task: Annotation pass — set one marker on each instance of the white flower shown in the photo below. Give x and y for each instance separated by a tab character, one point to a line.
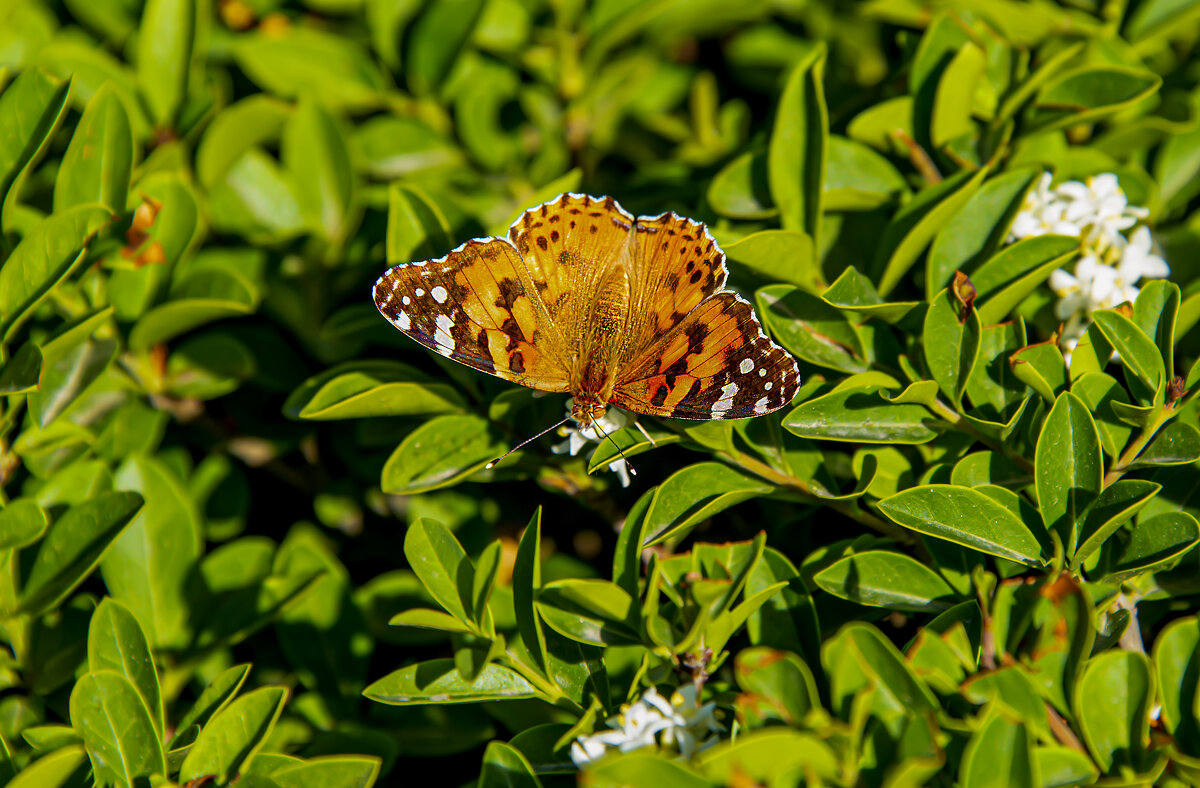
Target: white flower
1100	207
678	723
1093	286
1138	260
579	435
1043	213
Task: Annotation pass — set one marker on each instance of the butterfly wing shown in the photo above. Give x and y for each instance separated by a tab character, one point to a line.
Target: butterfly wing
479	306
713	363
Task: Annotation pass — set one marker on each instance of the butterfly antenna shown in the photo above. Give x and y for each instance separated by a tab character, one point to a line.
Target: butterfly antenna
492	464
628	464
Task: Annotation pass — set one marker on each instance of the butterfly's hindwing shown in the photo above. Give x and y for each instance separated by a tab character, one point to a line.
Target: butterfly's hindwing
474	306
714	364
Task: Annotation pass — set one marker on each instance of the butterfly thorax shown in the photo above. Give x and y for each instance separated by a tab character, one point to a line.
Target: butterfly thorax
598	354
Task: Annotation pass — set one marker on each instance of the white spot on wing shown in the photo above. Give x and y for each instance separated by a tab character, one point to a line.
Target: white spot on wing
762	373
726	401
418	292
760	407
406	300
747	366
402	321
769	386
439	294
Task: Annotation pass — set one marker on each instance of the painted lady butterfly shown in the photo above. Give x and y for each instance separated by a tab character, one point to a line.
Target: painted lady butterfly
583	298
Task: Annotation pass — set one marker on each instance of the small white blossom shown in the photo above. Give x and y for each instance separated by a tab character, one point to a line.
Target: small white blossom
679	723
1138	260
580	435
1100	207
1043	213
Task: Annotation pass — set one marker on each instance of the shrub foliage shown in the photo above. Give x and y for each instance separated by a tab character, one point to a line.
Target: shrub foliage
247	531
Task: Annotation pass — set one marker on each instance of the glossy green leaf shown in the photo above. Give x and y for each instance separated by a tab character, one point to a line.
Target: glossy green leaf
1156	312
776	255
952	336
796	155
164	55
44	257
255	120
361	389
976	231
216	696
1004	280
234	735
148	566
97	164
30	110
21	373
1000	753
440	452
955	94
782	684
880	578
967	517
695	493
591	611
1063	766
314	152
1114	699
63	768
1177	443
1099	392
121	739
811	329
22	522
438	681
197	300
1176	650
857	178
863	414
73	546
505	767
302	60
854	292
526	582
1069	468
65	379
331	771
1138	353
440	562
1115	506
859	656
416	228
1086	94
769	755
438	36
638	770
116	643
1152	543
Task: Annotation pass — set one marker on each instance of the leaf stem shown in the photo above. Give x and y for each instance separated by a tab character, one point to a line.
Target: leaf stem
1131	453
952	417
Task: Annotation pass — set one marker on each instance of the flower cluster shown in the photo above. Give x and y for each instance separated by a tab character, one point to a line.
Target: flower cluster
680	723
613	421
1110	263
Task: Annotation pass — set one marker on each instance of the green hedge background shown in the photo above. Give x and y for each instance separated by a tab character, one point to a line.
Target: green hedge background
247	532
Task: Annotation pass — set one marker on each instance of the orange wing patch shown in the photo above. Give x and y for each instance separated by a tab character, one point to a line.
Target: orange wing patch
478	306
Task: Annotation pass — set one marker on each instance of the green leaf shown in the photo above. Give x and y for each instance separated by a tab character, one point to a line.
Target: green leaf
196	300
45	257
438	37
1000	753
776	255
234	735
116	643
1041	367
485	580
631	441
216	696
859	656
1068	468
526	582
1139	355
65	768
639	770
694	494
253	121
328	771
1087	94
1152	543
1099	392
740	189
1178	443
955	95
111	717
426	618
967	517
22	522
880	578
859	179
21	373
593	611
783	684
438	681
439	453
149	564
1117	505
505	767
811	329
66	378
861	413
314	153
951	337
796	156
1017	270
361	389
72	548
30	110
164	55
1063	766
416	226
1156	312
973	234
1112	708
301	60
854	292
443	567
770	755
915	225
1175	668
97	164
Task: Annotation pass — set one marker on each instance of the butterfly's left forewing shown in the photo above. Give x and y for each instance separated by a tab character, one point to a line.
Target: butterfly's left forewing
479	306
715	363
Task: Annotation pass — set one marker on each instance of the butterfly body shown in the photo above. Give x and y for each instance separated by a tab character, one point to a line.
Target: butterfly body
584	298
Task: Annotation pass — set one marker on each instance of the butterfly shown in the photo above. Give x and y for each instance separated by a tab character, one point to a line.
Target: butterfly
584	298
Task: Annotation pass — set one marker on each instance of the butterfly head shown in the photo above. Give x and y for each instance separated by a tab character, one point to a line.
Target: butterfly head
587	410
